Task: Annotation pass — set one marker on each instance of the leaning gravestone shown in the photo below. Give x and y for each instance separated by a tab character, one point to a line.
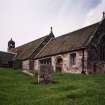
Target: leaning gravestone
45	74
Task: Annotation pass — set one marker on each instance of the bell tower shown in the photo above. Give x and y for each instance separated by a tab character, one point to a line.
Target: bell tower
11	44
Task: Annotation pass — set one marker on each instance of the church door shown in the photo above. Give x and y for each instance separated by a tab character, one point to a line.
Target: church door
59	64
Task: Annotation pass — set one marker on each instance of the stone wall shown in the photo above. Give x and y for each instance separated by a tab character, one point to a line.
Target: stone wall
77	68
66	65
53	58
25	65
36	65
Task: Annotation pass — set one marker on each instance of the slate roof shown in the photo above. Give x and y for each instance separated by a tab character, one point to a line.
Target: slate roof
26	50
5	57
68	42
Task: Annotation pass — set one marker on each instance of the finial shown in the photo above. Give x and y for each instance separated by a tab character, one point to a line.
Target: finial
51	30
103	15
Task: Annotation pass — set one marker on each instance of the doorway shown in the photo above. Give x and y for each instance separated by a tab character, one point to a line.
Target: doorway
59	64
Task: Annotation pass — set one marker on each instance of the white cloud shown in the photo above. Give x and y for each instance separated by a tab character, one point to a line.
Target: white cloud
95	14
26	20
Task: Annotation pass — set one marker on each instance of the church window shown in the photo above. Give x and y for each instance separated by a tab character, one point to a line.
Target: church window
102	53
73	59
102	49
45	61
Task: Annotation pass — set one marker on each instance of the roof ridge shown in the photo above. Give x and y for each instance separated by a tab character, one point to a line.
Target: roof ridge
31	41
78	29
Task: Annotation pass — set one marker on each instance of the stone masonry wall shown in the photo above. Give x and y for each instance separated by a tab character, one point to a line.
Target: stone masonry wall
36	65
66	66
25	65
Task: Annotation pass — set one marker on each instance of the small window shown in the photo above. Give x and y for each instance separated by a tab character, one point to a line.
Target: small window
73	58
45	61
102	49
102	53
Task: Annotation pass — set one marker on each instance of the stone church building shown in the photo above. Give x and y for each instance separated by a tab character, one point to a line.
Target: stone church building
81	51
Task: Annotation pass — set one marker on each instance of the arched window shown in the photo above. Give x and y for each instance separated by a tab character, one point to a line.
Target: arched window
102	49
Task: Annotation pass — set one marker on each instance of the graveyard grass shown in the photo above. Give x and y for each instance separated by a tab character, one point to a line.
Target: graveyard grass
69	89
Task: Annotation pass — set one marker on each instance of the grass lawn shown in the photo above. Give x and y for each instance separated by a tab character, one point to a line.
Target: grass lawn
69	89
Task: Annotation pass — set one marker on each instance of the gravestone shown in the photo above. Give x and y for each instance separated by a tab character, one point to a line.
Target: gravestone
45	74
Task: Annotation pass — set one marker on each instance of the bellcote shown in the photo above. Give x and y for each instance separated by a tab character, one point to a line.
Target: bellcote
11	44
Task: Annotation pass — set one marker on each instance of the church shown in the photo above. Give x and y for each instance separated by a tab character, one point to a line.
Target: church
81	51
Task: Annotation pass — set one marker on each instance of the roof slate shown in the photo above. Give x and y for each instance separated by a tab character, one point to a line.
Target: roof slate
26	50
68	42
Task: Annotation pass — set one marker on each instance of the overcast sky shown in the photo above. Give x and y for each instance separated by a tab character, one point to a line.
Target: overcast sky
27	20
